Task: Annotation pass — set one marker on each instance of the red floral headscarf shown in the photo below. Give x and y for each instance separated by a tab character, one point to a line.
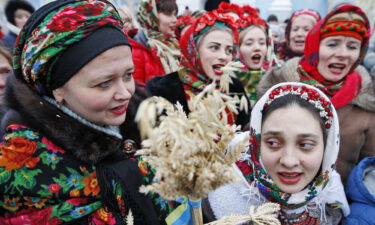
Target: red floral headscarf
192	75
345	91
183	22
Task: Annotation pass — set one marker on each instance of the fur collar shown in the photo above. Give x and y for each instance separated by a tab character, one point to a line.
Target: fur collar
364	100
25	107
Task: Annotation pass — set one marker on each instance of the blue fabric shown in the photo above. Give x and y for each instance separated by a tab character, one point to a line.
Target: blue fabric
8	41
362	202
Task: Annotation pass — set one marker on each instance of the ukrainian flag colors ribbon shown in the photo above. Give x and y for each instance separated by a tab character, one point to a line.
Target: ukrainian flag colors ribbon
182	214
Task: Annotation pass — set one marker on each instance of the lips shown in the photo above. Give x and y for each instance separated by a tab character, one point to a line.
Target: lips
289	177
336	68
256	58
299	42
119	110
217	69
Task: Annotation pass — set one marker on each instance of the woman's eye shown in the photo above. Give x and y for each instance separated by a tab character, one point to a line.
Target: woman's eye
272	143
307	145
104	84
214	47
229	51
332	45
128	76
353	47
248	43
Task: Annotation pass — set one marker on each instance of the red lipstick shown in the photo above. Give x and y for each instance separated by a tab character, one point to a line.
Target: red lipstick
289	177
119	110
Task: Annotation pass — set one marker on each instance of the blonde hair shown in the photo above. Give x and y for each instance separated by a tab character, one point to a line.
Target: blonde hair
346	16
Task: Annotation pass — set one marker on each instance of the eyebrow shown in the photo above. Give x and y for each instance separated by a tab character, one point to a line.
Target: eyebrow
109	76
278	133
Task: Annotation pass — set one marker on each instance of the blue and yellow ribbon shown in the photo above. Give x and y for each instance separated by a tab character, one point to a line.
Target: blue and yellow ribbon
182	214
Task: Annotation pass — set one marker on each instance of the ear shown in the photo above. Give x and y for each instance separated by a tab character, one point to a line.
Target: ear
58	94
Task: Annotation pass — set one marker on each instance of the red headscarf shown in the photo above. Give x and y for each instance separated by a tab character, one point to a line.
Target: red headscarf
345	91
192	75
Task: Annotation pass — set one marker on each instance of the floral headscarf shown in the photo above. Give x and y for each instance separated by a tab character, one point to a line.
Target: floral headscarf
284	52
192	74
43	40
167	47
327	184
183	22
342	92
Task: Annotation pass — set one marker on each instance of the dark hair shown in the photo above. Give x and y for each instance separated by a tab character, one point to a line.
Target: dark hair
272	17
167	7
291	100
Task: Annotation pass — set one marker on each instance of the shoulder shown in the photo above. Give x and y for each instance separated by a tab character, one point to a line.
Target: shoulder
287	72
366	97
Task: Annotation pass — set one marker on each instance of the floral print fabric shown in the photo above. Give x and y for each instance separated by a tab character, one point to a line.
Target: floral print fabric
34	55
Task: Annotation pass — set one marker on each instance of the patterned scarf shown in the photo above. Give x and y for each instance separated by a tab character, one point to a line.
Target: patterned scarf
320	186
38	48
250	80
342	92
191	74
166	46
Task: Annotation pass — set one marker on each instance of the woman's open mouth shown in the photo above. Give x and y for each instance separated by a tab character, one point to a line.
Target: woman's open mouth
336	68
217	69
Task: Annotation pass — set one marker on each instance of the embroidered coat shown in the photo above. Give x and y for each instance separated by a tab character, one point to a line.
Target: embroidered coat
51	166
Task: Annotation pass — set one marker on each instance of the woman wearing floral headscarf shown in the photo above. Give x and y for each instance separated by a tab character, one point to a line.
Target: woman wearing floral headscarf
255	51
155	49
206	47
62	158
295	34
334	49
294	144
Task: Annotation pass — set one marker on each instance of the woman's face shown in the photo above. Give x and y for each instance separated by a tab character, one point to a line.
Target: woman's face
337	54
5	69
167	23
300	27
101	90
254	48
216	50
20	17
292	147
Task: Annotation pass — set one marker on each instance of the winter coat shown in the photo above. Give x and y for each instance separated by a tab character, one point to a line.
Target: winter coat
357	119
146	61
360	190
8	41
55	169
170	87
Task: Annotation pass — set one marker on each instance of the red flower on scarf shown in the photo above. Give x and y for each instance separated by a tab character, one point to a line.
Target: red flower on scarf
54	188
89	9
103	217
244	167
17	153
66	20
30	216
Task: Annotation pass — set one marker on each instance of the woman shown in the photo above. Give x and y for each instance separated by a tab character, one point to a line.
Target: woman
290	161
330	62
295	34
17	13
255	52
206	47
155	49
62	151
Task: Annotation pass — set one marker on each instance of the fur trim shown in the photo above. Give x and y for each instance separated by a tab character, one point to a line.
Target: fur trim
288	73
25	107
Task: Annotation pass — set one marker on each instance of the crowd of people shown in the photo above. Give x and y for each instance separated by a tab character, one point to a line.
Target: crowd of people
74	72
